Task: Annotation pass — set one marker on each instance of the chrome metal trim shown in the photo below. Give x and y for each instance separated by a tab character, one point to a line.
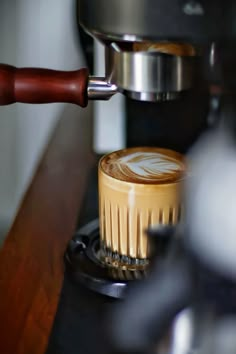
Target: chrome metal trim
152	97
100	89
112	37
149	76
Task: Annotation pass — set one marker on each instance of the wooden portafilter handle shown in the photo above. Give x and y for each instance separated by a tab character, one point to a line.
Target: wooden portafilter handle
33	85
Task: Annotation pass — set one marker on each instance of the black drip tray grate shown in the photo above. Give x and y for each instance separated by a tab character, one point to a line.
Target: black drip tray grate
83	261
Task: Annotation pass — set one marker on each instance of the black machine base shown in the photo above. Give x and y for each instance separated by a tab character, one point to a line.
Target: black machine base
82	259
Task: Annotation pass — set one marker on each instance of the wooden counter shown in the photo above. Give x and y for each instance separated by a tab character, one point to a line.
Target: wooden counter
31	259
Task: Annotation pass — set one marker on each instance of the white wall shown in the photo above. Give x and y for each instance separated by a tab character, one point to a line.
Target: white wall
32	33
109	117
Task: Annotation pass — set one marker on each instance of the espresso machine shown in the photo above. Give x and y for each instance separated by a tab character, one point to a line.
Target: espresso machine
174	63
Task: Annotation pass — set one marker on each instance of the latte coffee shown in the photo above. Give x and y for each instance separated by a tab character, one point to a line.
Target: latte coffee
138	188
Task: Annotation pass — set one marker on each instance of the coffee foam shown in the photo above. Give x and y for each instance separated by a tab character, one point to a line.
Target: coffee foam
144	165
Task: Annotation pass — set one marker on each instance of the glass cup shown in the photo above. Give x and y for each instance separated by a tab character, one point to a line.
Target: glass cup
138	188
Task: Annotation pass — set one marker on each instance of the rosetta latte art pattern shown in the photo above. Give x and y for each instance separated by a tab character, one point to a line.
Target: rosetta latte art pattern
147	165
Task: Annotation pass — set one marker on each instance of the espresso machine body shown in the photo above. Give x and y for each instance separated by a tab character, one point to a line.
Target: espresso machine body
173	61
179	84
204	85
138	20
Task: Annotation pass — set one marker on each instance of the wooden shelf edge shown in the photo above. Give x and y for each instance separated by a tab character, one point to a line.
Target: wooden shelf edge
31	259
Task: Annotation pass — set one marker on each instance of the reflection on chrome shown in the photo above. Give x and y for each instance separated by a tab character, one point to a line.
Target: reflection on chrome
182	335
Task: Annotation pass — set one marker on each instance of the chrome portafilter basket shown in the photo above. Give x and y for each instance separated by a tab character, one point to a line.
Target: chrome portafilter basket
146	75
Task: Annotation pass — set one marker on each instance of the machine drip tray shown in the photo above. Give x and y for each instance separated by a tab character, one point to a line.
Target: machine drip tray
83	263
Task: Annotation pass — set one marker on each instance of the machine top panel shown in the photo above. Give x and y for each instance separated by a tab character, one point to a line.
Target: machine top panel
136	20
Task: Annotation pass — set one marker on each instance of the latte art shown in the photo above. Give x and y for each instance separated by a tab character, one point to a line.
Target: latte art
144	165
147	165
